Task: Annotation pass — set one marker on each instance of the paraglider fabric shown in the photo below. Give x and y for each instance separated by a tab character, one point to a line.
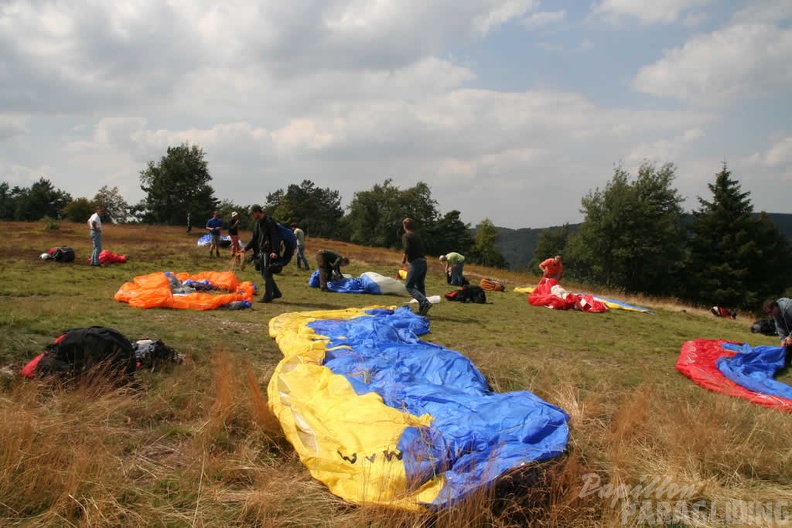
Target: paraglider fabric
754	368
206	240
108	257
550	294
382	417
186	291
737	370
368	282
613	304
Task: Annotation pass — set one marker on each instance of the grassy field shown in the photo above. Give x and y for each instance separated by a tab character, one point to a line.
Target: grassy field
195	445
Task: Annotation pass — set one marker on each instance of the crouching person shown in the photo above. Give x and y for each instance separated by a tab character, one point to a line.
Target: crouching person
329	264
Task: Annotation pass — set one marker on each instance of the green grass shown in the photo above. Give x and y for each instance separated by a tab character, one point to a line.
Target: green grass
196	446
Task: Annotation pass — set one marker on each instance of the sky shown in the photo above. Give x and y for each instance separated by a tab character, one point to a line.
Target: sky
510	110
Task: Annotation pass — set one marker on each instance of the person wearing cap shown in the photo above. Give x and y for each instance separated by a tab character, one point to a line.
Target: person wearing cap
552	268
266	245
233	232
453	264
329	264
214	225
299	234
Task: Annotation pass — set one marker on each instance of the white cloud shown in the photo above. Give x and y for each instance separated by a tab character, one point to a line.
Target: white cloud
741	61
543	18
646	11
500	14
764	12
778	153
665	149
347	93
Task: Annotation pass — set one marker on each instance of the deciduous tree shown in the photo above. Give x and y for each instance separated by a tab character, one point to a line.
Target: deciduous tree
116	209
630	238
485	250
176	186
316	210
375	216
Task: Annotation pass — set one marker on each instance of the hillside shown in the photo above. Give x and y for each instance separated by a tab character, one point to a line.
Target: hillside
195	443
517	245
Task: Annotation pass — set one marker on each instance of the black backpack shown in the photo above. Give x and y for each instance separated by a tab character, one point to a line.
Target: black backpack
62	254
470	293
148	353
94	352
764	326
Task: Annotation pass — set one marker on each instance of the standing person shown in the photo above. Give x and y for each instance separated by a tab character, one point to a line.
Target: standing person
266	246
300	236
781	312
95	223
233	232
552	268
214	225
329	263
453	264
415	259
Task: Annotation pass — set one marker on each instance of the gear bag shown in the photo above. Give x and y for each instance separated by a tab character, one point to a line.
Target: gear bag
95	351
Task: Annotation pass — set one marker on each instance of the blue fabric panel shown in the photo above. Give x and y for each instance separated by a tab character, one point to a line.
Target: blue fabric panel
362	284
476	435
754	368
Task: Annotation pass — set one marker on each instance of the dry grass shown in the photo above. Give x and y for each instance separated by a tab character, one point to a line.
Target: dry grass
195	444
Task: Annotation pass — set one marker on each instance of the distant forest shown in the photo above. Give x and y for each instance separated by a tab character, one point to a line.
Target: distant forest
518	245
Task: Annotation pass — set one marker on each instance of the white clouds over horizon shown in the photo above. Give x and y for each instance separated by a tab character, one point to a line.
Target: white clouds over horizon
458	94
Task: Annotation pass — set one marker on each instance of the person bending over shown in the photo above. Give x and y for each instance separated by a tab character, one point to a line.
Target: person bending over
329	264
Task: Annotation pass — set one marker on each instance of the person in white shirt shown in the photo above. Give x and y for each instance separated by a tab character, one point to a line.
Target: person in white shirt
299	234
95	223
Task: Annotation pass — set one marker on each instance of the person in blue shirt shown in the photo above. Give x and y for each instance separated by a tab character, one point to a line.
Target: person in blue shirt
214	225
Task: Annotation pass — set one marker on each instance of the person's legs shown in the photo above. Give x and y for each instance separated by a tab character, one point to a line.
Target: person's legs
269	283
301	255
416	277
234	244
96	242
324	271
456	274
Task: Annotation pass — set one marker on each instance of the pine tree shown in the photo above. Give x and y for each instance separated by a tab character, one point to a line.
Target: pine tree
734	257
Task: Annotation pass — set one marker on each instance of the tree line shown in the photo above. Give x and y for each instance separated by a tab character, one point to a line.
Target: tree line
634	237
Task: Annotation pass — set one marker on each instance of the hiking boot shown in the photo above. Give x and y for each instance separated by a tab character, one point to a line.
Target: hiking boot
425	309
265	300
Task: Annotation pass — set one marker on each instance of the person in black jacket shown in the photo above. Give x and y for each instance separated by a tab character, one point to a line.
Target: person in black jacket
329	264
266	246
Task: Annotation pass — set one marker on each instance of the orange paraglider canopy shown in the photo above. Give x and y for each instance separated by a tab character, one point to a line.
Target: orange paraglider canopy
207	290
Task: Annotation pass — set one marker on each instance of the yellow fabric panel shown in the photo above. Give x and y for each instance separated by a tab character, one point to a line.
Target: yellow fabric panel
347	441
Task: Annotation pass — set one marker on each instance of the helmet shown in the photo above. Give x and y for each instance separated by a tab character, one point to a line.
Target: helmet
45	256
275	268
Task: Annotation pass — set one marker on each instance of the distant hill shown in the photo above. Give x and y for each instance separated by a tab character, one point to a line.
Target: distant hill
517	245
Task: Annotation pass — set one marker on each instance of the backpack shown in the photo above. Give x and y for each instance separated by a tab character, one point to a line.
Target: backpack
720	311
468	294
62	254
148	353
764	326
492	285
289	240
92	352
